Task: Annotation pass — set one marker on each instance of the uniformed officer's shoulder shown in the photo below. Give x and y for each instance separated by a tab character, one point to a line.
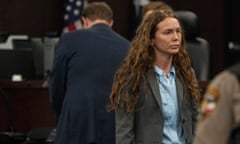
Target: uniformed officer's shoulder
223	77
221	82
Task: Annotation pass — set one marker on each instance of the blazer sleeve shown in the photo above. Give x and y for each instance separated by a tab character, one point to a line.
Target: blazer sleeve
124	126
57	80
195	107
195	113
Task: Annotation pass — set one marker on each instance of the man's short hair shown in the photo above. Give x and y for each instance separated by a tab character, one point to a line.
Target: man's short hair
98	10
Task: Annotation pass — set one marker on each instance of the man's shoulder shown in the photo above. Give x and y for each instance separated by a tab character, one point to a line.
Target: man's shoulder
235	69
123	39
77	34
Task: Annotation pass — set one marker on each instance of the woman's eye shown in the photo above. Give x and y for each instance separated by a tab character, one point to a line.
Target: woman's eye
166	32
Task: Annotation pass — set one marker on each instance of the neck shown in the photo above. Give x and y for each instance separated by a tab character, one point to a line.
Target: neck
87	23
99	22
165	63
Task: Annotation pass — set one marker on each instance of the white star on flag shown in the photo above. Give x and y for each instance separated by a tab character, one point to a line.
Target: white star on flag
72	15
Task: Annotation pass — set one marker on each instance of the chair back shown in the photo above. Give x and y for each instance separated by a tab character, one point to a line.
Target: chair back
197	47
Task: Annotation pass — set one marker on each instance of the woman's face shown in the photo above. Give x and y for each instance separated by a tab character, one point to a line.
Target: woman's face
168	37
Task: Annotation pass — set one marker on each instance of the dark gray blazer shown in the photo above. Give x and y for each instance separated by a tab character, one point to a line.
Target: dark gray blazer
145	126
84	65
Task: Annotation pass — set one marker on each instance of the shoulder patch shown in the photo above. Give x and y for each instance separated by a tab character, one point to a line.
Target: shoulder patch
209	101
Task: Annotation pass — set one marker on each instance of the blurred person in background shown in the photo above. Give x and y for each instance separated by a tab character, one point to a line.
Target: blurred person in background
147	8
155	5
220	110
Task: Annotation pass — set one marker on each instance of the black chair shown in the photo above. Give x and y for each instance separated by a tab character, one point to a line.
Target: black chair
197	47
38	56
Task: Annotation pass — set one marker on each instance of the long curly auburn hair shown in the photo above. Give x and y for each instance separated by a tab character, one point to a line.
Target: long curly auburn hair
140	60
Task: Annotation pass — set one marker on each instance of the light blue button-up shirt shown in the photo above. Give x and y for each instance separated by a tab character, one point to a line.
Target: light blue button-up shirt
172	127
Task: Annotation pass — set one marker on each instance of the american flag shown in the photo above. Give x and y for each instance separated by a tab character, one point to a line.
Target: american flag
72	15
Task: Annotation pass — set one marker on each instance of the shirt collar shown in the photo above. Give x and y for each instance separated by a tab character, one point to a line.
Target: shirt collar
160	72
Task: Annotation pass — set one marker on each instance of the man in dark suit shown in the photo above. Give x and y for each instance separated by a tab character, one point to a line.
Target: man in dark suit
84	65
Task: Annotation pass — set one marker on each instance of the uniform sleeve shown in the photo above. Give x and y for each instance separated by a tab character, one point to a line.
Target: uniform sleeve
57	80
215	123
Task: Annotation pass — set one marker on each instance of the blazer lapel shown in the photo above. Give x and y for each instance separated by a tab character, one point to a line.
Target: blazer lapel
180	93
154	87
156	93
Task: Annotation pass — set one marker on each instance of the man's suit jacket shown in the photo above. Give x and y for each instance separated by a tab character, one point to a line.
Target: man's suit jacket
84	66
145	125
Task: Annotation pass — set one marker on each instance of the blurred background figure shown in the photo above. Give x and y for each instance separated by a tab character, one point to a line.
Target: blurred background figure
144	8
155	5
220	109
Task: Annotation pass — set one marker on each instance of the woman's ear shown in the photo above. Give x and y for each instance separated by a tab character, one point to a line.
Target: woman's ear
152	42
